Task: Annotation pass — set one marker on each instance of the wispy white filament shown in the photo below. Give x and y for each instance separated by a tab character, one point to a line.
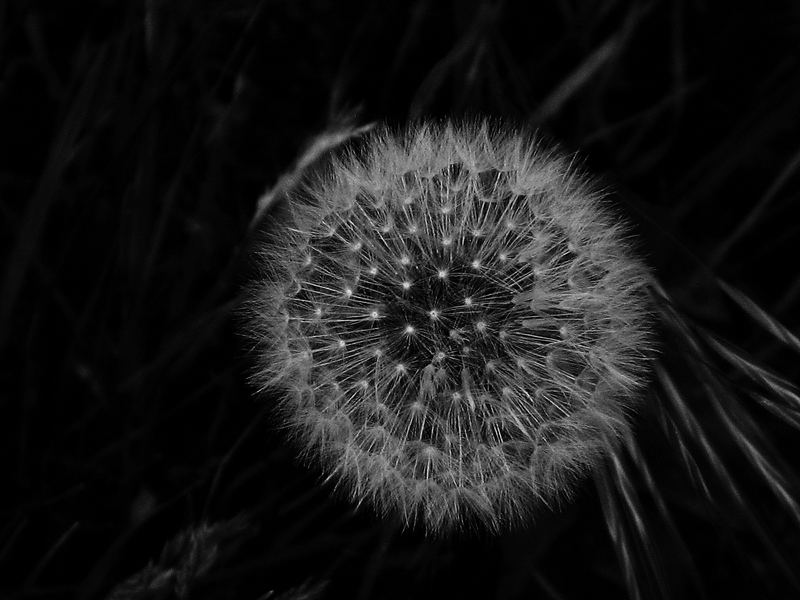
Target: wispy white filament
455	322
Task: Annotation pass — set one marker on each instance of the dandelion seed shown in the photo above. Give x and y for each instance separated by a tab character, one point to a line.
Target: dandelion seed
480	424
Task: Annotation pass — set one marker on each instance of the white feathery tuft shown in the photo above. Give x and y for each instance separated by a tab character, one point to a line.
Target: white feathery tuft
457	323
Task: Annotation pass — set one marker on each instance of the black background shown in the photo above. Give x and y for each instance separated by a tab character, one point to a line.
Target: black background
136	139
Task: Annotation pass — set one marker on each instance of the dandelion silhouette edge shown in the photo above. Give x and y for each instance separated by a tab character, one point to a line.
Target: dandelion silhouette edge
455	322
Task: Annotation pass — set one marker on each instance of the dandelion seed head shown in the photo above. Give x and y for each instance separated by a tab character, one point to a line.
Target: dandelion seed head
505	341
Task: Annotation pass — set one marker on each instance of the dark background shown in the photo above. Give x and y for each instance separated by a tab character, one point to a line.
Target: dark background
135	140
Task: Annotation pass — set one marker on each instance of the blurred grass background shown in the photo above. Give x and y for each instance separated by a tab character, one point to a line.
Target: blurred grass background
136	139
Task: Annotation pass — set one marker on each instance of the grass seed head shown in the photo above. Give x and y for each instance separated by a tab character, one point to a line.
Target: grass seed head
455	321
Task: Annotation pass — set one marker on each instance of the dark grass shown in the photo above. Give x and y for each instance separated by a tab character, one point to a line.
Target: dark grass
136	140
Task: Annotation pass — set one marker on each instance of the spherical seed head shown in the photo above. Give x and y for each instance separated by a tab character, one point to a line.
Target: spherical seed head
470	334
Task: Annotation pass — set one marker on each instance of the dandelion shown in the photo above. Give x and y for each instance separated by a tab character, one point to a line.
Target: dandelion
458	331
456	322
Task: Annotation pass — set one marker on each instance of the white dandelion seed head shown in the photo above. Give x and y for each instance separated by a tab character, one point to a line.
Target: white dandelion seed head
505	363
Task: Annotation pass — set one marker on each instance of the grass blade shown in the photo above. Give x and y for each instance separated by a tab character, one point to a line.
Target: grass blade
762	317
